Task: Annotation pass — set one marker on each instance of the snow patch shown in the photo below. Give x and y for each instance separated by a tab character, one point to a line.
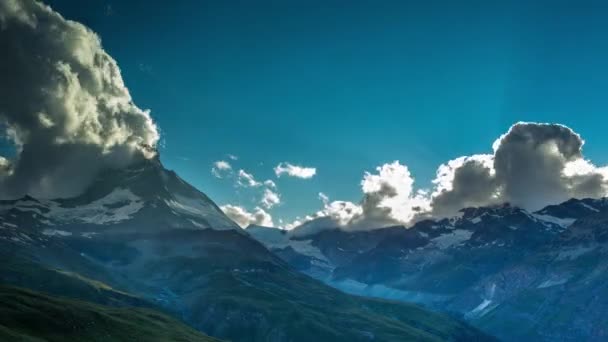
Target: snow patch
202	209
55	232
562	222
552	282
453	238
101	211
588	207
478	311
274	238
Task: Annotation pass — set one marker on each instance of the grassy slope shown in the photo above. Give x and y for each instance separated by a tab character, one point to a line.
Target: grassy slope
30	316
20	272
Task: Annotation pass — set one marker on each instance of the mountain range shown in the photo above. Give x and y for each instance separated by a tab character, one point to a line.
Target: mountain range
143	255
514	274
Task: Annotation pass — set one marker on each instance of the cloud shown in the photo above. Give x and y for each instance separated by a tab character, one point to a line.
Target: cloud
247	180
270	199
334	213
465	182
269	183
324	198
233	157
221	168
388	199
294	170
389	196
244	218
267	190
532	165
64	105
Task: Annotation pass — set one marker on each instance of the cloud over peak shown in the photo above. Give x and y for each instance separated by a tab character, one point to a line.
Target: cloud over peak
532	165
64	104
291	170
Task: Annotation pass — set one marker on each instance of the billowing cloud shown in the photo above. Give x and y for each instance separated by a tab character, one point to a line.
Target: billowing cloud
244	218
533	165
270	198
221	168
64	105
465	182
389	196
247	180
294	171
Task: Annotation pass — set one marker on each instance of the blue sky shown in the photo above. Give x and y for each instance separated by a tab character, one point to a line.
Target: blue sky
346	86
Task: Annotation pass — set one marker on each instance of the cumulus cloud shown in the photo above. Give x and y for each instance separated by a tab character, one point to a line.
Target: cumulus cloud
465	182
221	168
244	218
389	196
388	199
245	179
532	165
270	199
64	105
294	171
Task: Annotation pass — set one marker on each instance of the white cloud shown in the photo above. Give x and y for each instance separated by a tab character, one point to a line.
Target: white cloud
341	213
233	157
244	218
247	180
65	105
533	165
389	196
269	183
270	199
294	170
221	168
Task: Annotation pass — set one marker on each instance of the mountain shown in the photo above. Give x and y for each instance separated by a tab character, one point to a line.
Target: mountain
513	273
142	237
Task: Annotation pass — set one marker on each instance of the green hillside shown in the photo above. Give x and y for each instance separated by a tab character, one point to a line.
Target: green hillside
31	316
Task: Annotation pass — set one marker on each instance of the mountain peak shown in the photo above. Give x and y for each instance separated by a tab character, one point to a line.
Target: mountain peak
143	197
